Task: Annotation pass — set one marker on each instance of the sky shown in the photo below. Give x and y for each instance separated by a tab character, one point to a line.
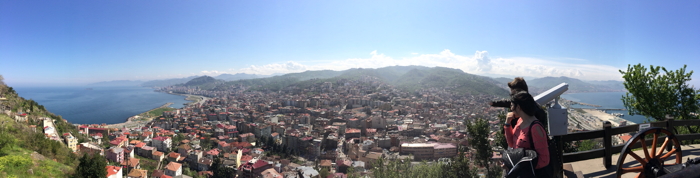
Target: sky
47	43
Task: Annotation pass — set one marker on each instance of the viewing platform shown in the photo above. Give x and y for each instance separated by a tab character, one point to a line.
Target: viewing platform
594	168
603	162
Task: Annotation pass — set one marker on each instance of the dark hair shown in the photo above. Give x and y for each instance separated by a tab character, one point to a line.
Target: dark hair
518	84
526	102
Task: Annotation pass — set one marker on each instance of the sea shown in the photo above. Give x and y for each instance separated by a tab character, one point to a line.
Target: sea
97	105
607	100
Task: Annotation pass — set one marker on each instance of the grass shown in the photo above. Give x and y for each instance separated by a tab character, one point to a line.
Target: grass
159	111
17	161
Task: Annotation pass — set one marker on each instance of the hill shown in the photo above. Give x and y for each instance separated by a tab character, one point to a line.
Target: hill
238	76
453	79
167	82
409	78
26	153
203	82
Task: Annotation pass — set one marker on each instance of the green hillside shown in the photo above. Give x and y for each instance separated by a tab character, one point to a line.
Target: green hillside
454	79
409	78
26	153
203	82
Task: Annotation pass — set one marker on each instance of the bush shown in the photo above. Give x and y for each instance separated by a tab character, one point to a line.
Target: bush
14	162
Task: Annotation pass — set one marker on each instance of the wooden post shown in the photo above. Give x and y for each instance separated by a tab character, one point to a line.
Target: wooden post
669	127
558	166
607	144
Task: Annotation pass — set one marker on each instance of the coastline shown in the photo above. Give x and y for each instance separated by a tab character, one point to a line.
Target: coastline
190	97
137	120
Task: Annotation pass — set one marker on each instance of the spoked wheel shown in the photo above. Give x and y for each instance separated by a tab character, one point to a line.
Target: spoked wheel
652	162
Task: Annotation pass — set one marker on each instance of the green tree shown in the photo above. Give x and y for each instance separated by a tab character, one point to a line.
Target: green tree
324	172
656	92
91	165
478	132
500	138
585	145
459	167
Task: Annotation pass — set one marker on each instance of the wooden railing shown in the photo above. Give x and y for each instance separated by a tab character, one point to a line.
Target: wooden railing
607	133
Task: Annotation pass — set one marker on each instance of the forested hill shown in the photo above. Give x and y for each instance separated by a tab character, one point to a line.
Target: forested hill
22	149
409	78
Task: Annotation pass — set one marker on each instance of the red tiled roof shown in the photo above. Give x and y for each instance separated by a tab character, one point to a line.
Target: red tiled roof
173	166
111	170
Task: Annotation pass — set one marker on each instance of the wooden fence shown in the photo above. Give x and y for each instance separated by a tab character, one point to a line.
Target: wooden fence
607	133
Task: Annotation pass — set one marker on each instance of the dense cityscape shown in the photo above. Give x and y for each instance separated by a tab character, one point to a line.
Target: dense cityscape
349	123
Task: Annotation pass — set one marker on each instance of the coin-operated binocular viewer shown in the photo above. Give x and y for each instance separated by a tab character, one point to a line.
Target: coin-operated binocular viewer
558	118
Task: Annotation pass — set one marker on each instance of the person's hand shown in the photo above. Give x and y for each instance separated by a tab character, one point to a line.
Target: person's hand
509	117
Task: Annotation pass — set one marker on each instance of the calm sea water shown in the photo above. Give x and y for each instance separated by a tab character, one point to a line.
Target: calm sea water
80	105
606	100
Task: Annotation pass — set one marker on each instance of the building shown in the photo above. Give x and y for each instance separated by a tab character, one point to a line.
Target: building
90	148
71	141
428	151
137	173
161	143
115	154
253	168
173	169
114	172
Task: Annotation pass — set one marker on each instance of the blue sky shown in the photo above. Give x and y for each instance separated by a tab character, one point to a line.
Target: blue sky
80	42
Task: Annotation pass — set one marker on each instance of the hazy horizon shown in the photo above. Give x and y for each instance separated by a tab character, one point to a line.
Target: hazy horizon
74	43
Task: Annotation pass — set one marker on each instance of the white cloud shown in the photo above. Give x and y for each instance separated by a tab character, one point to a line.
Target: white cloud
480	63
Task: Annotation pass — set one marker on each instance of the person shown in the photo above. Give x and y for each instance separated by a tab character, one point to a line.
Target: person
519	85
528	133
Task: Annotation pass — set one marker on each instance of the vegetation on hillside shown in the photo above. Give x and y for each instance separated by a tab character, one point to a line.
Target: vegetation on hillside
409	78
18	137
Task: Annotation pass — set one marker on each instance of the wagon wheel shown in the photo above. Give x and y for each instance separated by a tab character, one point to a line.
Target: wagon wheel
651	160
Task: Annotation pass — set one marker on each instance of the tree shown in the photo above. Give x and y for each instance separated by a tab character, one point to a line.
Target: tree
657	92
478	132
458	168
324	172
500	138
91	165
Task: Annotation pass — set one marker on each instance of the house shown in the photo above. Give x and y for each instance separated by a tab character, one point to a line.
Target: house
119	141
132	163
173	157
158	174
90	148
193	157
204	164
271	173
162	143
137	173
158	156
212	153
147	151
114	172
115	154
254	168
173	169
184	149
71	141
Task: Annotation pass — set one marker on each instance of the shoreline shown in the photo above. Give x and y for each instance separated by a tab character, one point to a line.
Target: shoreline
614	120
190	97
131	121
